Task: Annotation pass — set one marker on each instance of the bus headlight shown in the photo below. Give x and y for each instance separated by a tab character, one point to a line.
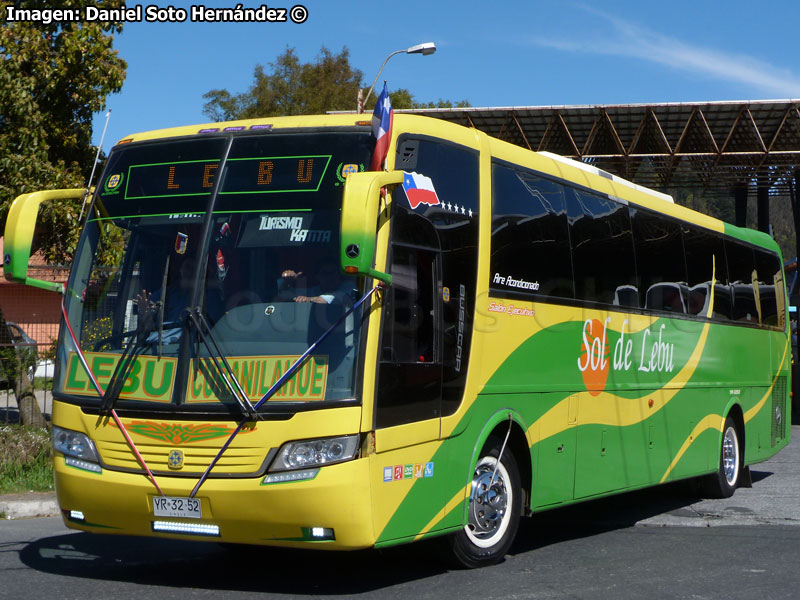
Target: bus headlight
315	453
74	444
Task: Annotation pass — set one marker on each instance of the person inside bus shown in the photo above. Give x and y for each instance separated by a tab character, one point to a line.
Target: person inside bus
176	300
331	286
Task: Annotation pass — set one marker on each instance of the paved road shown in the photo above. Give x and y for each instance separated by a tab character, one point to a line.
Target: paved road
651	544
9	412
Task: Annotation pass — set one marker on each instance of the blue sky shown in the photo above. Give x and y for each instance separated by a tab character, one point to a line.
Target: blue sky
512	53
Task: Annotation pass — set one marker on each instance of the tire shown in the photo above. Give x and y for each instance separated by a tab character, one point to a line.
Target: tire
493	511
725	480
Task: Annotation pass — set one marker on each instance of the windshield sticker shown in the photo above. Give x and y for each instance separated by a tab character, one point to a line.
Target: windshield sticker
112	183
150	379
257	374
290	229
343	170
181	242
419	190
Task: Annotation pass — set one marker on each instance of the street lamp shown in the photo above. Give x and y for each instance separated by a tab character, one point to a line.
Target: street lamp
424	49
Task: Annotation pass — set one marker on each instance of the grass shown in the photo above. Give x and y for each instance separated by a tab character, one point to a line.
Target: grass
26	459
43	383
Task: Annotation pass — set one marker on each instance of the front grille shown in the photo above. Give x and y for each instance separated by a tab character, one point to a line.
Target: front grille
236	461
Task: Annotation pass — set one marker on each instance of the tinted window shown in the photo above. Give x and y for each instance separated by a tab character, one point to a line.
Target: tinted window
530	238
705	262
453	227
602	247
769	275
742	274
660	262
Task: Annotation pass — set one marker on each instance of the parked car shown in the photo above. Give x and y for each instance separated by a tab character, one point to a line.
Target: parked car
24	348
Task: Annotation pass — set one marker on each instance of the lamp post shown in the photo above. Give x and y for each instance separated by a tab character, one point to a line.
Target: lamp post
424	49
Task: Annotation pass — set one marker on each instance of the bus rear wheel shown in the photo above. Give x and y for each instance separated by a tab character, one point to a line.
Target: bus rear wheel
725	480
494	509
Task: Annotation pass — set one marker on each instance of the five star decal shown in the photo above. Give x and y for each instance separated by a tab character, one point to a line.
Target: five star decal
459	210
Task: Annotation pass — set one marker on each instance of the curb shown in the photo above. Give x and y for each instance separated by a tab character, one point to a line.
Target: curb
26	506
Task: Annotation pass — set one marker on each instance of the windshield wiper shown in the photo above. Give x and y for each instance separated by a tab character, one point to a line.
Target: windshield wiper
124	367
161	305
196	318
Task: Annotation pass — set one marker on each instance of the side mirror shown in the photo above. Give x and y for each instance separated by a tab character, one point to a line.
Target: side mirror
360	218
19	235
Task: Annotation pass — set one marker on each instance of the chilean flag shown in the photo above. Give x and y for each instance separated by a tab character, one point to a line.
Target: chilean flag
382	118
419	190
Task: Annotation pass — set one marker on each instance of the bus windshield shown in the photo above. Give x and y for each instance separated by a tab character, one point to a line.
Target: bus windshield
213	263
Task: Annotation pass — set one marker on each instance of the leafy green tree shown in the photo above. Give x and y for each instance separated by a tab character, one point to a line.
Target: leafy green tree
290	87
53	78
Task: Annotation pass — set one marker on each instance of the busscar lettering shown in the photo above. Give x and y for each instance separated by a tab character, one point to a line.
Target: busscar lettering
462	293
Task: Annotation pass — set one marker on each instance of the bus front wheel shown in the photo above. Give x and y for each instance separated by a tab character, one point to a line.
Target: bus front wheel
493	511
725	480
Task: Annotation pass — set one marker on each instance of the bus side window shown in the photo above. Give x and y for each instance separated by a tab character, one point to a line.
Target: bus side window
530	238
660	262
602	246
742	266
769	274
408	330
705	260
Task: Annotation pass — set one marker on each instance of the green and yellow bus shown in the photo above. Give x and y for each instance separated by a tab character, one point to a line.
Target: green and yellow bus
265	343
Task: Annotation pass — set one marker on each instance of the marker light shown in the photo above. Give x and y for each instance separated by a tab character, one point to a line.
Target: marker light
186	528
83	464
303	475
320	533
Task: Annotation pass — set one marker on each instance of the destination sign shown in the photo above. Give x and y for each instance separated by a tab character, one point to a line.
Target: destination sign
264	175
150	379
257	374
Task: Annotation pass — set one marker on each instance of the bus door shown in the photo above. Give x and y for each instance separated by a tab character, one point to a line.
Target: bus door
408	395
409	390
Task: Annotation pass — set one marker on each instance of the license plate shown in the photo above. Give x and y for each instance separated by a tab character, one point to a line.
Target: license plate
171	506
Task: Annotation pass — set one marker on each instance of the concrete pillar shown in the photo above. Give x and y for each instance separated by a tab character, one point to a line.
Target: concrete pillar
762	197
740	196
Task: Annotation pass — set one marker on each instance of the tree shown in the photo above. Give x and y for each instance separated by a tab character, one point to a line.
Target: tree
53	78
290	87
14	365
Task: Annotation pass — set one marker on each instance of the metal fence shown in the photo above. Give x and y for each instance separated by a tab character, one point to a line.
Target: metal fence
32	317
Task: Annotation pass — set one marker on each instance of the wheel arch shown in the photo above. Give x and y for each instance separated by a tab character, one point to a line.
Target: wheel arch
518	444
735	412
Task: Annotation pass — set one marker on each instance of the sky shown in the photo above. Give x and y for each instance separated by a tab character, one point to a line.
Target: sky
504	53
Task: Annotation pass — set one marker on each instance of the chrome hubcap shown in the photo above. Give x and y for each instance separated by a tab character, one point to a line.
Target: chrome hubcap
730	456
488	502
